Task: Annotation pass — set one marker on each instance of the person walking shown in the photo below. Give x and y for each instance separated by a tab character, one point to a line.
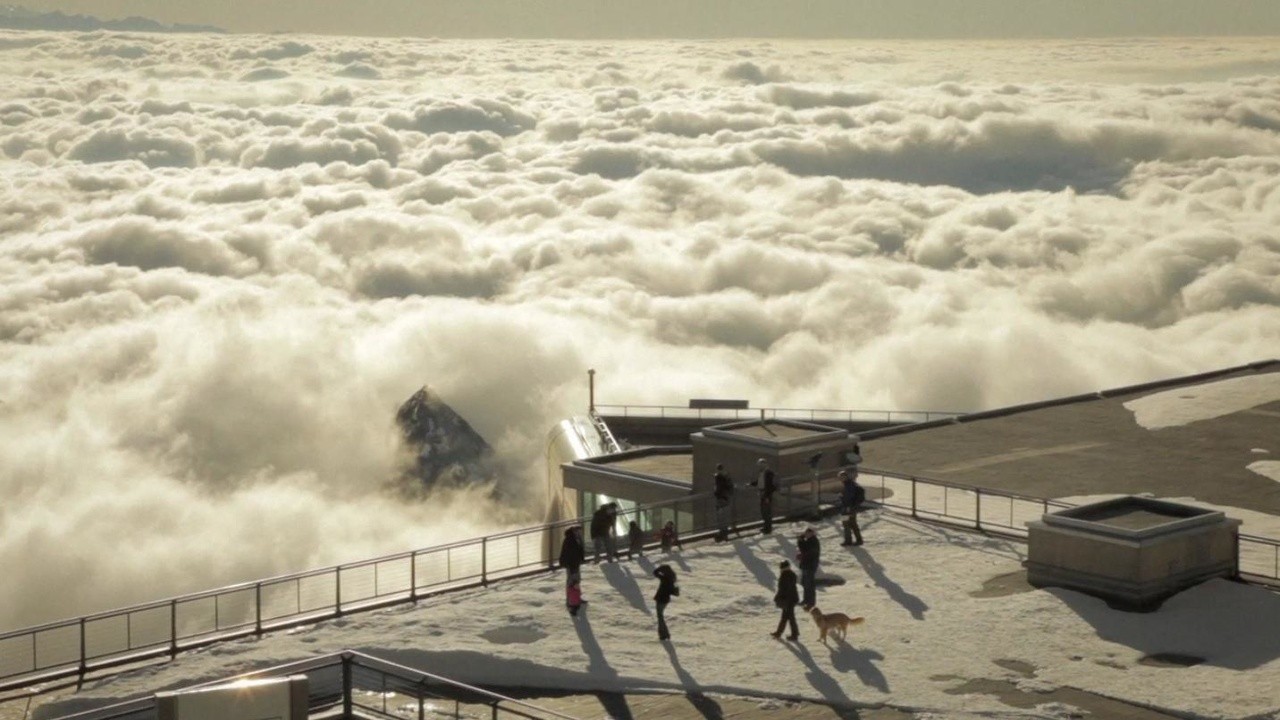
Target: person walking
602	531
810	551
766	481
786	599
851	496
667	589
668	537
724	500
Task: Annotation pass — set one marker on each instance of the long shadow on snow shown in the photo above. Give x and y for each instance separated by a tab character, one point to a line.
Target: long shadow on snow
625	583
708	707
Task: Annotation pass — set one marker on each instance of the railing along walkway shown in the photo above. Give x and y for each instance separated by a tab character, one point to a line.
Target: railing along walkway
166	627
766	413
353	681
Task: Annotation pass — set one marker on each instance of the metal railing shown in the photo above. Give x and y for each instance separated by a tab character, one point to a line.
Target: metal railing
1007	513
354	682
167	627
801	414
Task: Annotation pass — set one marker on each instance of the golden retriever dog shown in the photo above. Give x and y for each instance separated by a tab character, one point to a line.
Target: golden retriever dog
835	623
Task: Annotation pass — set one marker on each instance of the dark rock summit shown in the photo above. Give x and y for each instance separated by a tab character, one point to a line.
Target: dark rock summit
446	450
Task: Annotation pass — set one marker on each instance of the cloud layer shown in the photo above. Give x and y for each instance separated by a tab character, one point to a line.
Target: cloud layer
225	261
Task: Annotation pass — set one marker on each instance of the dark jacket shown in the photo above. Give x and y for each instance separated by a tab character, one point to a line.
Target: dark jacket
571	552
787	593
810	551
851	495
666	584
602	521
724	487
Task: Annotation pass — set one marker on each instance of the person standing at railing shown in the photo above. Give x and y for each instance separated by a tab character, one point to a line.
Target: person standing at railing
635	537
602	522
810	551
851	497
668	537
667	588
724	502
766	481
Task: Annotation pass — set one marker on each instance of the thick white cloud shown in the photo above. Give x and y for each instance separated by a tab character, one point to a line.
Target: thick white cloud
225	261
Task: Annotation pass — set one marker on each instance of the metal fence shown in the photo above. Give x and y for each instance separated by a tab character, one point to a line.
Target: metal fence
363	684
1007	513
166	627
800	414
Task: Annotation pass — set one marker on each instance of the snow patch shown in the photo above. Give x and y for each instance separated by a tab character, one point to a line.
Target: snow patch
1267	468
1183	406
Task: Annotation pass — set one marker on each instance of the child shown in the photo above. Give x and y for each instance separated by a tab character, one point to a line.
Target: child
636	536
573	595
668	537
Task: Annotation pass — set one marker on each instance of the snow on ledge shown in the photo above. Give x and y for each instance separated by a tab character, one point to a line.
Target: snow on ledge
1185	405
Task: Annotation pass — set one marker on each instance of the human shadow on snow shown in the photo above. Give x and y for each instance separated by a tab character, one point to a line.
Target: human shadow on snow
845	657
708	707
625	583
597	664
821	681
759	568
875	571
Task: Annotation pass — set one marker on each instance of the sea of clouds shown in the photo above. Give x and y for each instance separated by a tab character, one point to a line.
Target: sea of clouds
225	261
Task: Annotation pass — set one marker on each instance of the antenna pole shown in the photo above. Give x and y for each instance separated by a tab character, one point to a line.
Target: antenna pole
591	390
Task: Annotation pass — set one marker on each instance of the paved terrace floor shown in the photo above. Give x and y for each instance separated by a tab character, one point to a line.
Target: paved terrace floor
1098	447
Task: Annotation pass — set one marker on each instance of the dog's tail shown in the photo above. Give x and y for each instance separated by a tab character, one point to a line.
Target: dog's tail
857	620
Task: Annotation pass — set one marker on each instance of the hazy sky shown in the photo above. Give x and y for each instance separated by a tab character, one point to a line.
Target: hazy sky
708	18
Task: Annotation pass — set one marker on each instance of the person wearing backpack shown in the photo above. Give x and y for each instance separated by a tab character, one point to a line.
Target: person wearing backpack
852	496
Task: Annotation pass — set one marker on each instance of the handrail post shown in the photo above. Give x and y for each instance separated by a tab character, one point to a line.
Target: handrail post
413	575
257	592
347	686
337	591
83	661
913	498
484	560
173	628
977	511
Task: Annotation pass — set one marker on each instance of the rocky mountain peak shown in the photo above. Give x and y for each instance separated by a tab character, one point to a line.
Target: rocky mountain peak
446	449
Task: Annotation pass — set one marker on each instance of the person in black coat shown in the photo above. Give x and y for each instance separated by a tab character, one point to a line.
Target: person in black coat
572	553
666	589
809	553
571	558
602	531
786	598
724	498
